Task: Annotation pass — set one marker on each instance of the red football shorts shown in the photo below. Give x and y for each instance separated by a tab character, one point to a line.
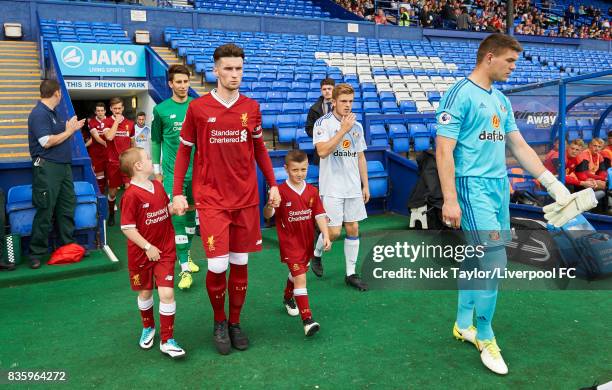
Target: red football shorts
99	164
225	231
114	176
141	278
297	269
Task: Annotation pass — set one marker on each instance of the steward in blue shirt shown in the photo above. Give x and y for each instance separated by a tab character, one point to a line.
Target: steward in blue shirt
50	144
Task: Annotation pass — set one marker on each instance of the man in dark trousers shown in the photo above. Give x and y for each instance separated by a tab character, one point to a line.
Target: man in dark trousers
321	107
50	141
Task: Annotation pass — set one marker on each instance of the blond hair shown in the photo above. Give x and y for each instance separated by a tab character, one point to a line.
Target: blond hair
342	89
129	158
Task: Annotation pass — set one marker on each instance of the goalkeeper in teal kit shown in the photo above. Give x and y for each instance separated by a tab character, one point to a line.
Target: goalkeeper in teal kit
475	123
168	117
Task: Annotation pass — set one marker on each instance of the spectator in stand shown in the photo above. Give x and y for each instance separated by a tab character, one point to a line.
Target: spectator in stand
591	164
463	20
404	17
571	161
380	17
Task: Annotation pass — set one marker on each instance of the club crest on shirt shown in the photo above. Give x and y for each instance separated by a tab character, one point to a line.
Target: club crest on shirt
346	144
495	121
288	204
210	241
444	118
245	119
310	202
355	134
503	108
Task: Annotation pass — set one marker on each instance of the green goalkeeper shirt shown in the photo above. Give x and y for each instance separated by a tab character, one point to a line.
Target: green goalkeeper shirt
168	117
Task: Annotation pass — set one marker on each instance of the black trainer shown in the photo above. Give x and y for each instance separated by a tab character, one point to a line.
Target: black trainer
239	340
7	267
34	263
355	281
221	337
111	219
310	327
317	266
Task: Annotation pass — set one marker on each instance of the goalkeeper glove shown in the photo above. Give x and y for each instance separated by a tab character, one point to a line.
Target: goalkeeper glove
558	215
555	188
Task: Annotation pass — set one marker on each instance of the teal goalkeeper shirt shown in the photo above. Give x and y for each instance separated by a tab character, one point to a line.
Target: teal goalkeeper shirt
479	121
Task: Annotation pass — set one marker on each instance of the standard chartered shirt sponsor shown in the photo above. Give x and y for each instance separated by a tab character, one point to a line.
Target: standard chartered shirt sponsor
300	215
228	136
156	216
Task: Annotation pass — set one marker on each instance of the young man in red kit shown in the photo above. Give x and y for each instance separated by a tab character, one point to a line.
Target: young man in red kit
300	206
145	220
97	148
119	135
225	128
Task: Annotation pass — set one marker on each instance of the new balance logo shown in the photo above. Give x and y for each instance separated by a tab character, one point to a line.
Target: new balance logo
169	277
212	119
146	205
258	242
288	204
172	116
482	105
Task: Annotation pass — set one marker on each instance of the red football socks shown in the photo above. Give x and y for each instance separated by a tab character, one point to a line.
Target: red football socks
238	280
215	286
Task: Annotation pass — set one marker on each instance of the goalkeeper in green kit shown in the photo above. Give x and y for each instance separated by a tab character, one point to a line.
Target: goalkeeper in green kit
168	117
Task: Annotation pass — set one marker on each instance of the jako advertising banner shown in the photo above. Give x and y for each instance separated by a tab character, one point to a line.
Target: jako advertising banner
89	59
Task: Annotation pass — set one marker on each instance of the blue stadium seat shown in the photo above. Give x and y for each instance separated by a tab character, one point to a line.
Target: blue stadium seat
20	209
400	138
303	141
371	108
377	179
276	96
293	108
271	108
296	96
407	106
378	135
370	96
312	177
280	175
390	107
85	213
387	97
268	121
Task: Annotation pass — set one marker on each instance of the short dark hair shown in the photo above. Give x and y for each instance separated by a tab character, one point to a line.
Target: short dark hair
297	156
100	104
496	43
48	87
115	100
140	113
228	50
328	81
177	69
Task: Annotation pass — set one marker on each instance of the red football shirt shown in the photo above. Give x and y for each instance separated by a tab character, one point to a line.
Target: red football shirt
97	151
224	175
122	140
148	212
295	222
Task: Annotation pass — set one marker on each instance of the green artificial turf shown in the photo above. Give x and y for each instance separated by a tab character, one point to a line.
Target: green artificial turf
89	326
